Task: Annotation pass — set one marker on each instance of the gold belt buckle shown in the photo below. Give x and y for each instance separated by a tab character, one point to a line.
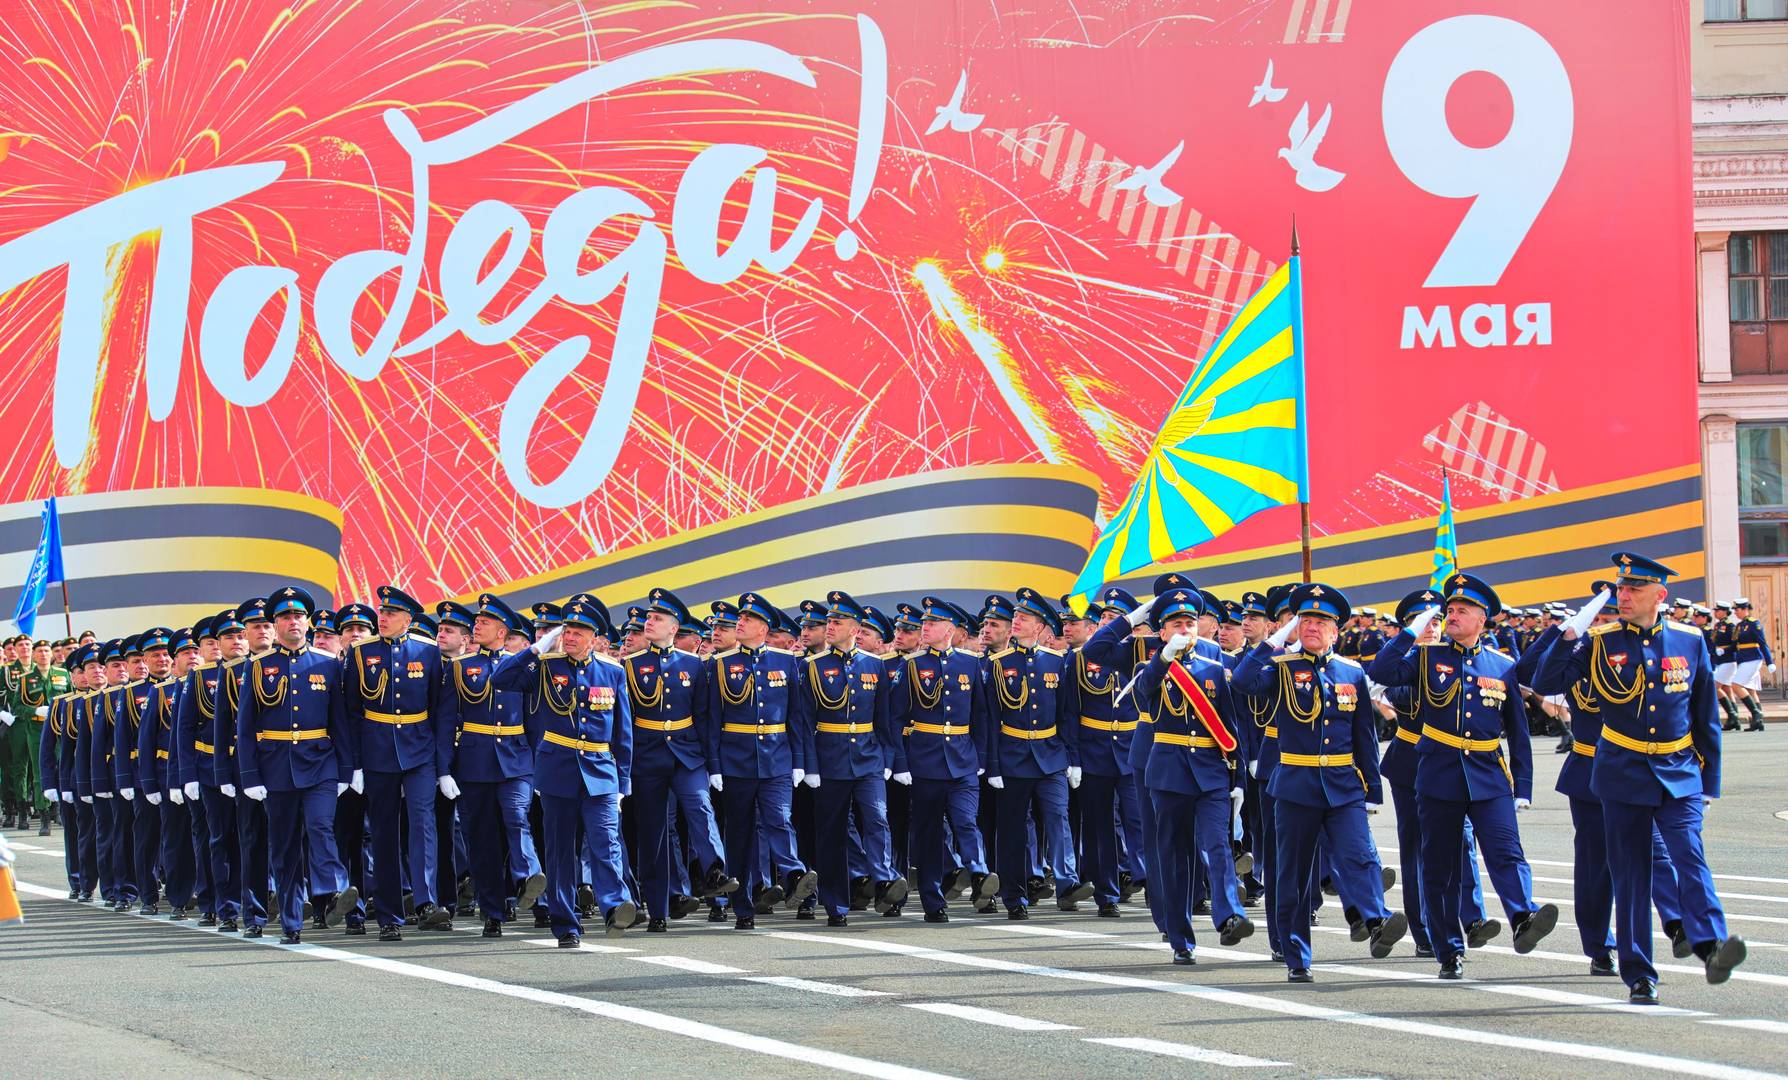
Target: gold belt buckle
1322	760
1651	748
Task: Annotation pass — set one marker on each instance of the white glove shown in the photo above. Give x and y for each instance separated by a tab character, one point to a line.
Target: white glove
904	779
154	797
69	797
129	793
1074	770
176	796
1139	616
1420	623
229	790
1176	645
887	774
448	787
980	772
812	779
1706	801
1578	623
548	640
358	782
44	710
257	793
1523	804
799	775
997	783
103	794
718	782
1254	768
87	798
1284	633
1235	796
6	718
1772	671
50	794
340	789
192	790
1372	807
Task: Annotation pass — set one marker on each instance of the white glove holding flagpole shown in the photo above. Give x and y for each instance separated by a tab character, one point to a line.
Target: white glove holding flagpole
1578	623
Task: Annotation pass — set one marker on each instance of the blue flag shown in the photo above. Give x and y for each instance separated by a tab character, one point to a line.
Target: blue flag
1232	446
1446	541
46	570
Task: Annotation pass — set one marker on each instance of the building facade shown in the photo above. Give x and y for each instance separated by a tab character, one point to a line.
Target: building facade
1739	69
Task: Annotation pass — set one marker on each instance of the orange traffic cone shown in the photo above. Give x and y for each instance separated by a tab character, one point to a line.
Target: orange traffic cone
9	899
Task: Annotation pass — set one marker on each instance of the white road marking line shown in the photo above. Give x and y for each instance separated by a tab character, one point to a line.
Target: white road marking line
1190	1053
586	947
1048	931
789	982
1289	1006
629	1014
1536	993
1490	895
1572	866
685	963
1774	1027
1724	895
985	1016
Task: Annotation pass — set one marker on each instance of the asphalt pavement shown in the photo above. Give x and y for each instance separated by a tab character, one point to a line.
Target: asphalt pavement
89	992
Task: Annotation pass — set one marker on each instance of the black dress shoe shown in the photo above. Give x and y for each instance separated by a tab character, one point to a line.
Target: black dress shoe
1535	927
253	932
409	903
746	922
530	890
717	883
1184	957
1328	886
1299	975
1018	914
1388	875
1203	907
1234	929
1036	889
937	916
228	926
586	900
955	881
208	919
1357	929
797	886
837	920
1602	965
983	888
1276	956
341	905
1110	911
1453	968
317	923
465	895
355	928
717	914
682	907
1482	932
862	893
1066	899
1725	956
657	926
492	928
542	920
570	941
150	909
1679	940
310	910
889	895
1251	899
290	937
177	915
1127	887
620	918
390	933
1387	933
767	898
435	917
804	914
1425	952
1643	992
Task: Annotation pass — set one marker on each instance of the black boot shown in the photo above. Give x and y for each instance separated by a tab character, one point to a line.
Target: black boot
1731	712
1756	710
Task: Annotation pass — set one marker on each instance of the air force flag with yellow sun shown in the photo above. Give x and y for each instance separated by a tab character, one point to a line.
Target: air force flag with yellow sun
1232	446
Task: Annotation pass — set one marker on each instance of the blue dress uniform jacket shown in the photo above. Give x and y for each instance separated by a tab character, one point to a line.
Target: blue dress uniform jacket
670	708
843	718
393	709
290	721
132	704
220	731
940	704
1033	734
490	738
195	754
1397	765
578	718
157	769
80	748
108	713
1660	734
751	695
1749	643
1106	729
1470	701
1328	742
1182	756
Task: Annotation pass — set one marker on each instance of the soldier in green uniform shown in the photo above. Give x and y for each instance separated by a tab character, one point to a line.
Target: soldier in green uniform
13	717
41	683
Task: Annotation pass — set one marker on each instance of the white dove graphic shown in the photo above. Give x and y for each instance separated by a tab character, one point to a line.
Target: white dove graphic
952	116
1301	154
1149	180
1266	91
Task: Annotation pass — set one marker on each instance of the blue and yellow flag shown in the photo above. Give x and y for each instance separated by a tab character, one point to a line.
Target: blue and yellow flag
1446	541
1232	446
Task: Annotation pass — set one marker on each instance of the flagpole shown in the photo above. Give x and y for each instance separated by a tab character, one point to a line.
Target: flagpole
67	618
1297	330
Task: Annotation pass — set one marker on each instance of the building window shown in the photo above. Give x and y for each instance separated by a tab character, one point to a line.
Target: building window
1757	279
1763	492
1746	10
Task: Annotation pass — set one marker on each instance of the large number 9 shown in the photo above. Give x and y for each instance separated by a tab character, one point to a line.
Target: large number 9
1510	181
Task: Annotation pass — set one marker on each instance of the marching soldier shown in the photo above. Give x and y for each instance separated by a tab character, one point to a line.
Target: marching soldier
295	754
1107	791
77	773
115	818
127	723
242	634
1470	702
157	768
1750	650
580	724
40	683
58	733
199	768
1326	776
1656	763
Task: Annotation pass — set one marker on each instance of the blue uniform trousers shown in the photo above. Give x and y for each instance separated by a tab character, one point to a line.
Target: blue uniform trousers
660	854
599	817
1592	886
350	844
145	847
1443	864
251	847
301	839
447	848
932	800
222	851
1104	802
1678	821
87	824
1409	854
834	801
176	851
70	816
1192	830
1298	828
760	837
114	848
1146	854
499	844
402	807
1266	865
198	842
1013	852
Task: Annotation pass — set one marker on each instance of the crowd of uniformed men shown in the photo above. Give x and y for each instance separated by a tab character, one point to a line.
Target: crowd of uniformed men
385	764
